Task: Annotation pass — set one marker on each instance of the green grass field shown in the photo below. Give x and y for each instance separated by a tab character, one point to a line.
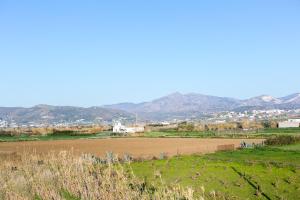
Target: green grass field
266	173
293	147
227	134
191	134
24	137
261	173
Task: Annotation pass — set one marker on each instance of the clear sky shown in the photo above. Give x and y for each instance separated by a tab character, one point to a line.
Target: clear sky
90	53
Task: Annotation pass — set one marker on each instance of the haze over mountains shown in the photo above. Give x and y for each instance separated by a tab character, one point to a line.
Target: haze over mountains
173	106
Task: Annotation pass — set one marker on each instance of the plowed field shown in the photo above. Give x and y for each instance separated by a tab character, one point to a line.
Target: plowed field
137	147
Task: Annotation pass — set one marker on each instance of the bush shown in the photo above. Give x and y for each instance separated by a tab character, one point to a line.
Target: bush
62	132
184	126
69	133
282	140
5	133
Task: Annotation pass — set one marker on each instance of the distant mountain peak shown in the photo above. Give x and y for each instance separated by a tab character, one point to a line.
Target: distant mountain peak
173	106
42	106
175	94
182	104
293	98
268	98
261	100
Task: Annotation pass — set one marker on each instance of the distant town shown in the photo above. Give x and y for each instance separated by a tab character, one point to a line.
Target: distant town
278	115
174	108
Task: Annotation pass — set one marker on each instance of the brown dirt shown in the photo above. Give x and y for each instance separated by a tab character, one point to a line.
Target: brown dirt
138	147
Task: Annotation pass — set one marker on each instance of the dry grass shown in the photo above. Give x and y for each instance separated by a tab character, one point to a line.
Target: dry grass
83	130
66	176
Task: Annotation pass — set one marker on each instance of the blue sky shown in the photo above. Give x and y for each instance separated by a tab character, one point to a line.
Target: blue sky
100	52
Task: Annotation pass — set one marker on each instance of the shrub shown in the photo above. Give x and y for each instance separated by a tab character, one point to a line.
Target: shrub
163	156
127	158
184	126
282	140
63	132
6	133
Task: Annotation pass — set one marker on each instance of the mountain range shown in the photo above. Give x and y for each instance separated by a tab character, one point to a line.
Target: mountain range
179	105
176	105
59	114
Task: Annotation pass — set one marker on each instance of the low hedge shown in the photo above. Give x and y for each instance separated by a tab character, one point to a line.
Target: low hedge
282	140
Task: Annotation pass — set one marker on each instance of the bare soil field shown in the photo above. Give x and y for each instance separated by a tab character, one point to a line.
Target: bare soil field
137	147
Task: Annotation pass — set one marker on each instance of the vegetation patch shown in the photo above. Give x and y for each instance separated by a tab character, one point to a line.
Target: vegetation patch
65	176
259	173
282	140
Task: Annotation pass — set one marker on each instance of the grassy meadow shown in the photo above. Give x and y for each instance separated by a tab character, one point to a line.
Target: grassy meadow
262	133
67	177
263	173
293	147
26	137
259	173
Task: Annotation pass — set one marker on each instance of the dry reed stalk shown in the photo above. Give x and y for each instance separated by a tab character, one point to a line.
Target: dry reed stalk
65	176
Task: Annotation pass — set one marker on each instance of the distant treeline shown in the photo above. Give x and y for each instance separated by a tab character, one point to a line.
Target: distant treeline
201	127
282	140
76	130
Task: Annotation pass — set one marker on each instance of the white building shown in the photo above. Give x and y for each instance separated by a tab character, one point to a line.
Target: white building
119	128
294	120
290	123
3	124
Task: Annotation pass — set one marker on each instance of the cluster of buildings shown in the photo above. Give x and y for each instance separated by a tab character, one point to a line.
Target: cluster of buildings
285	119
255	115
42	124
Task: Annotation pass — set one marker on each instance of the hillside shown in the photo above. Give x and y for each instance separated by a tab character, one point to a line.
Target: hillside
59	114
173	106
180	106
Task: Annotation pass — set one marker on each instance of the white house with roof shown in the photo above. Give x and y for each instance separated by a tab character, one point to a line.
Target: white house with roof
119	128
290	123
3	123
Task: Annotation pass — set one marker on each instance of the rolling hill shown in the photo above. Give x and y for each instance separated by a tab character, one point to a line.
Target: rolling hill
60	114
179	105
173	106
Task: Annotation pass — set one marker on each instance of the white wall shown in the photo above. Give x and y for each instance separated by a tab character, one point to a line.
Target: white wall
288	124
294	120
